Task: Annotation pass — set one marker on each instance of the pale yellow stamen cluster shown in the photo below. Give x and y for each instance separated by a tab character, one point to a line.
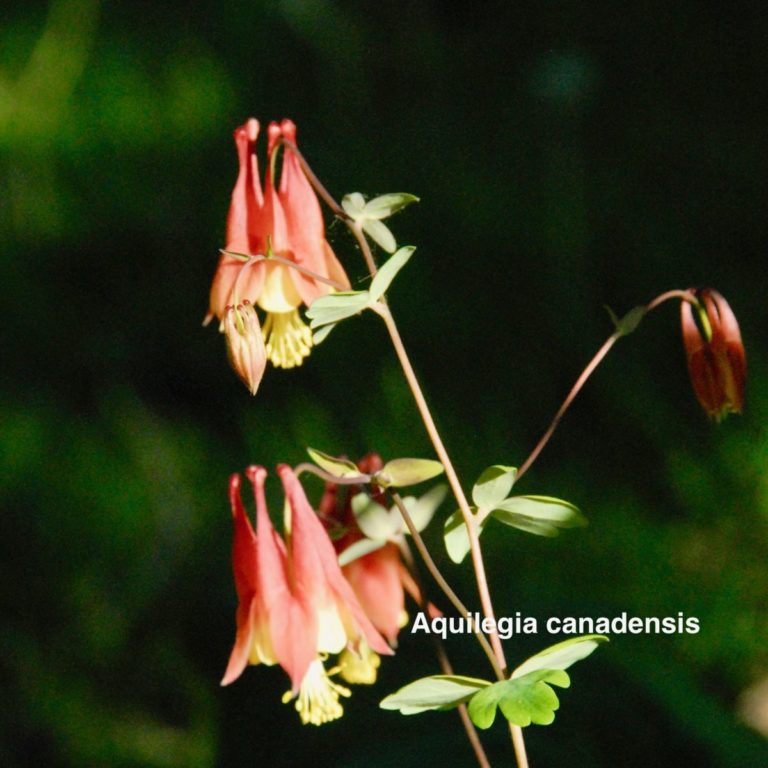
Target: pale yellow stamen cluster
318	699
288	339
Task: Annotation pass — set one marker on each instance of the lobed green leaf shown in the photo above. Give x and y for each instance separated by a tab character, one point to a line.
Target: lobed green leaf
336	306
423	508
320	335
456	536
333	465
374	520
385	205
401	472
560	655
493	486
353	204
435	692
522	701
540	515
388	270
380	234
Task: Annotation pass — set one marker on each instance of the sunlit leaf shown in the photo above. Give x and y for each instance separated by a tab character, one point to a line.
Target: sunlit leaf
493	486
401	472
540	515
561	655
353	204
423	508
320	335
375	521
380	234
336	306
436	692
385	205
333	465
388	270
456	536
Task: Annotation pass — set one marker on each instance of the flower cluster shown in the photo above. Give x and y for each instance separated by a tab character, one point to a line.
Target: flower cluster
295	606
283	259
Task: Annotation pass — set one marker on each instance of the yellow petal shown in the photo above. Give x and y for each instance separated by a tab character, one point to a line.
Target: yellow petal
331	635
278	293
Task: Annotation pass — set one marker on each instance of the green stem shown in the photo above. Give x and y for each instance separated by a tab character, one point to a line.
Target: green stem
434	435
443	584
442	655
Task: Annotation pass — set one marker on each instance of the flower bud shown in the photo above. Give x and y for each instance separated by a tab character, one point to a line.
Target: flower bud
245	344
716	360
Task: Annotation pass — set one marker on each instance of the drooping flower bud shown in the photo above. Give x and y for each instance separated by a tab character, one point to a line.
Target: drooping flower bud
245	344
716	359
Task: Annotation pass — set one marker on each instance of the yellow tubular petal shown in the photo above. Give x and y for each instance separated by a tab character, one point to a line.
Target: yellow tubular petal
288	339
318	699
331	635
261	650
278	293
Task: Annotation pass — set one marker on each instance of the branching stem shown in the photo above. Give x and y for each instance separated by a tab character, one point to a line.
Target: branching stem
589	370
442	655
443	584
453	480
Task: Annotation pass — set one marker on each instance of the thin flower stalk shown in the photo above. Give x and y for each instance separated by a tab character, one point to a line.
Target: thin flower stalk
600	355
440	450
440	652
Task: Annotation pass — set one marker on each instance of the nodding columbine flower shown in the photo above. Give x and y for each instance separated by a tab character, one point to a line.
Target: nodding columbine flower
245	344
716	359
284	222
294	606
377	578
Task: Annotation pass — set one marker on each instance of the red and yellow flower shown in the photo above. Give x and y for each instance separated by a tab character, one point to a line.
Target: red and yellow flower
716	360
285	222
295	607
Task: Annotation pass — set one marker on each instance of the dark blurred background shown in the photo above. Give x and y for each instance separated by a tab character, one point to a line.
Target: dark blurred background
568	156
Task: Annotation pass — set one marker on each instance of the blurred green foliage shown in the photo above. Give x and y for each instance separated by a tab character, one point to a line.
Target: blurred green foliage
567	156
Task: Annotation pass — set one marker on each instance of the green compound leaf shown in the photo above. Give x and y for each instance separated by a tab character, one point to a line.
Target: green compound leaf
336	306
523	700
540	515
493	486
359	549
376	522
333	465
560	655
456	536
385	205
388	270
400	472
380	234
435	692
